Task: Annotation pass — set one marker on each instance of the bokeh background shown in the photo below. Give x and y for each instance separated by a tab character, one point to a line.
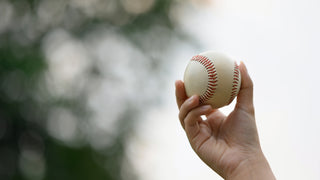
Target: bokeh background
87	86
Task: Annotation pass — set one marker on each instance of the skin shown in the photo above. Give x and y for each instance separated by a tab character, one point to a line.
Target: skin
227	144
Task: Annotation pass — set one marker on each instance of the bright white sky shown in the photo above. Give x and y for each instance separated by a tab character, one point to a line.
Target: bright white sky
279	42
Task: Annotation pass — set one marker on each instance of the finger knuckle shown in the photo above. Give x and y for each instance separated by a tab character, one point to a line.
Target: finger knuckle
194	113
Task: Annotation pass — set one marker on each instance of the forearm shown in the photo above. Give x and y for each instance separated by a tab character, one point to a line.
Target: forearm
256	168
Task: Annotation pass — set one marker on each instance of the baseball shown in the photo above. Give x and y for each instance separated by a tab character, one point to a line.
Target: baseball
213	76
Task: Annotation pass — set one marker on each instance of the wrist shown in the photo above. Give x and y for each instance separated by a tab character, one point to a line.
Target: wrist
254	167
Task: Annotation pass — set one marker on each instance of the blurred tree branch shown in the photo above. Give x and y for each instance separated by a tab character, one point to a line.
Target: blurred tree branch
35	142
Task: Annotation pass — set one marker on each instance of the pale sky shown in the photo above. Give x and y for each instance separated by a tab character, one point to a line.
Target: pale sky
279	43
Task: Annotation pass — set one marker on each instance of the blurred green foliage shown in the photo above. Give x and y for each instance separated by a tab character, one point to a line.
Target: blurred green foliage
27	150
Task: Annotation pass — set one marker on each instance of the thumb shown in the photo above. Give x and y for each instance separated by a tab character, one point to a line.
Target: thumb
245	96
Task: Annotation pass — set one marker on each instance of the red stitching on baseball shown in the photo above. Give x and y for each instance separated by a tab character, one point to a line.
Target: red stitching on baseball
212	77
235	83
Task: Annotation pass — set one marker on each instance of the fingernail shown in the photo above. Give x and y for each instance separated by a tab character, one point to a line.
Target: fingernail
206	107
192	99
244	66
176	82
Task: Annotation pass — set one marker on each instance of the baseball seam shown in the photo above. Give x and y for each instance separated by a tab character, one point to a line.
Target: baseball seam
235	83
212	77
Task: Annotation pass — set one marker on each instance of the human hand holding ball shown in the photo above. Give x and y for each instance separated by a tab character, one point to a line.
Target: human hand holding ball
228	144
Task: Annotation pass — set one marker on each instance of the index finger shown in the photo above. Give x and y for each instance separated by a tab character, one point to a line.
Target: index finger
181	95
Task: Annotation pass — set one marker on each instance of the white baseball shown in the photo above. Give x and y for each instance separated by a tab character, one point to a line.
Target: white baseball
214	77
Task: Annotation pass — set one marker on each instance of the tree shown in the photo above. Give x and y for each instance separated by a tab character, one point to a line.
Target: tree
53	57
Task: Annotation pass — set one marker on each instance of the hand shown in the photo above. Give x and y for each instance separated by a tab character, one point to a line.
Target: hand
228	144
